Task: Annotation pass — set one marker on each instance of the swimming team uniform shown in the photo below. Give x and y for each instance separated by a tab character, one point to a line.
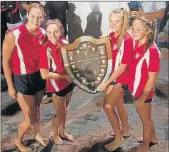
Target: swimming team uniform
51	58
144	61
25	60
122	56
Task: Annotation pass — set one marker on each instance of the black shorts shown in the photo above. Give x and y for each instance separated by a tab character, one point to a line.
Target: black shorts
146	101
63	92
29	84
124	86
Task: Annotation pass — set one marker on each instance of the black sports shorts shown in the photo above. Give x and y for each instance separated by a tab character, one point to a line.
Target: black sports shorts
146	101
63	92
124	86
29	84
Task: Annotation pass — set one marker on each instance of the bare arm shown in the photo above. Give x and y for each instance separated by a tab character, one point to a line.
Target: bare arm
148	87
7	52
154	15
50	75
113	77
116	73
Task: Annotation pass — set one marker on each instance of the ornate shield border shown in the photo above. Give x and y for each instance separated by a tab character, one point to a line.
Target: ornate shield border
69	47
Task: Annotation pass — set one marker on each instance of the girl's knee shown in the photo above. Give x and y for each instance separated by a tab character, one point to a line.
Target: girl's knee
120	105
60	115
108	107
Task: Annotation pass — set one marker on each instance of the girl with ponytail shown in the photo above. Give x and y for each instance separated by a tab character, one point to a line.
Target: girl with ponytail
143	75
122	49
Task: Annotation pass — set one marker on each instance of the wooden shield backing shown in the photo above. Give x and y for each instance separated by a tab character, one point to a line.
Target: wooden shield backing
88	61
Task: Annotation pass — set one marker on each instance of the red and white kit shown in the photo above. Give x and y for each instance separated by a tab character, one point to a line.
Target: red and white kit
51	58
122	56
25	58
143	62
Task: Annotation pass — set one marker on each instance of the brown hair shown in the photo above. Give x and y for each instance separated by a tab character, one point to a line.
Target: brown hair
125	15
58	23
150	24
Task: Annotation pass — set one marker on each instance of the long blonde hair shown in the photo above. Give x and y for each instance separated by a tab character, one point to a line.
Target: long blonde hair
150	25
125	15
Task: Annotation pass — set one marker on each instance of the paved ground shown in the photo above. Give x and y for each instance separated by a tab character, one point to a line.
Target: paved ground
87	121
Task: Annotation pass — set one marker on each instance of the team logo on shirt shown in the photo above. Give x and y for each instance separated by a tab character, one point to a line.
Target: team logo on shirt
115	46
137	55
40	42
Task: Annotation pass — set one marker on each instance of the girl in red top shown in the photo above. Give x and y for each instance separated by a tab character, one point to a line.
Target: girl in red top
59	84
21	49
143	75
122	49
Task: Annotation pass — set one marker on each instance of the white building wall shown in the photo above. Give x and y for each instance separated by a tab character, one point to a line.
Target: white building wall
83	9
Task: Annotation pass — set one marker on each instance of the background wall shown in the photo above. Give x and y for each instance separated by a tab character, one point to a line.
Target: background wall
83	12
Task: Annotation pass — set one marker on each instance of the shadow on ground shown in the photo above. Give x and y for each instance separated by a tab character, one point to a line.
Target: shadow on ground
28	143
100	147
160	93
10	150
48	148
11	109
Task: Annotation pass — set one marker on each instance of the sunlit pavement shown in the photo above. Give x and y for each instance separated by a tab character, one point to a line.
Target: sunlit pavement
87	121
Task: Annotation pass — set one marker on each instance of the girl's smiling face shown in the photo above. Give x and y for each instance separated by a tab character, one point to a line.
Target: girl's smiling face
35	17
53	33
116	22
139	31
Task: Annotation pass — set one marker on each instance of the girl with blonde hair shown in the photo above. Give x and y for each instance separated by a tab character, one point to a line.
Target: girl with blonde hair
143	75
122	49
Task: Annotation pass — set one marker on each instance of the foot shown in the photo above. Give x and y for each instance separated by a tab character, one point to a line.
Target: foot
58	140
114	144
142	148
21	147
67	136
124	134
42	140
152	142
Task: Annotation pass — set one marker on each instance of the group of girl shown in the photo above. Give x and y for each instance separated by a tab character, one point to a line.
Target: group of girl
28	59
136	62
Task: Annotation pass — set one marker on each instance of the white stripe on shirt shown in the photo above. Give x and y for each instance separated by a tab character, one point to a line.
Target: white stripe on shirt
20	55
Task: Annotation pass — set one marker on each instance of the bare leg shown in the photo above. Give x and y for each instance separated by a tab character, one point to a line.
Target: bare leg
109	107
36	125
145	116
154	135
28	107
122	111
62	131
60	108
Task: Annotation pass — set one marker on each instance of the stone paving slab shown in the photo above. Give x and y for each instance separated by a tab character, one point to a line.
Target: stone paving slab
87	121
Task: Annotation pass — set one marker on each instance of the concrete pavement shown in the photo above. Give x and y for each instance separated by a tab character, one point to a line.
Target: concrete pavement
87	121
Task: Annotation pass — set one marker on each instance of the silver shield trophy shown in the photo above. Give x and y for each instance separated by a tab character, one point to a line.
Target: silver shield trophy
88	61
